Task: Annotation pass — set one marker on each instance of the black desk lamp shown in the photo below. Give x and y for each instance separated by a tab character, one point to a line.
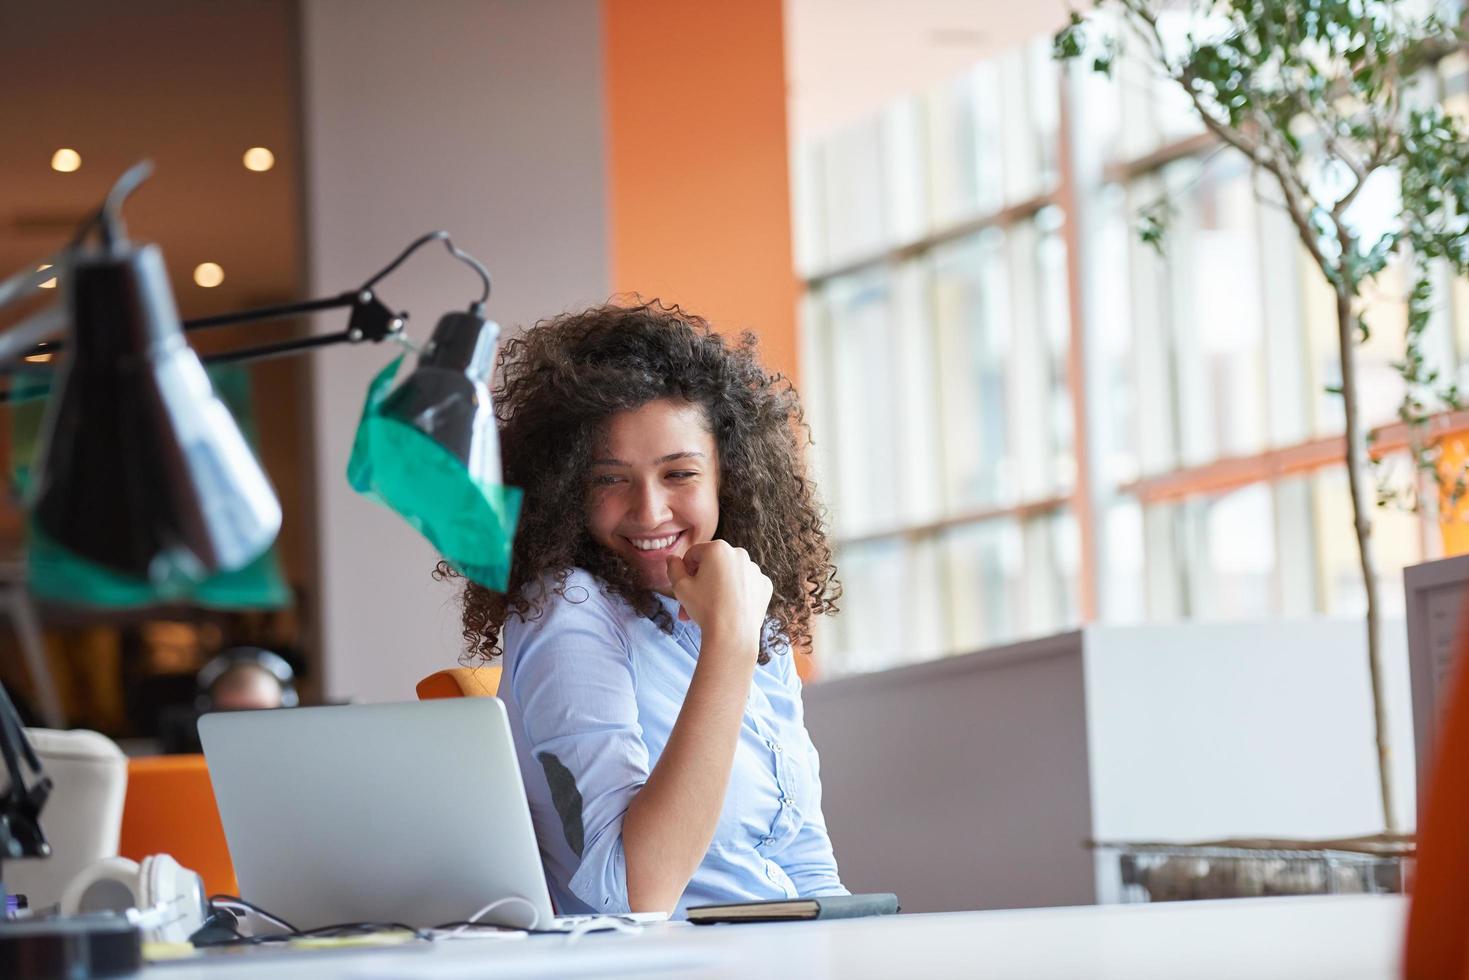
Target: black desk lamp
143	469
143	472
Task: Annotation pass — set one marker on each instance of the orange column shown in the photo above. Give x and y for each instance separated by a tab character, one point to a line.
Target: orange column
698	191
698	166
1452	465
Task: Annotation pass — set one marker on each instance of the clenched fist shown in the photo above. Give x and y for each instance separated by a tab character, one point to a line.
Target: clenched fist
722	590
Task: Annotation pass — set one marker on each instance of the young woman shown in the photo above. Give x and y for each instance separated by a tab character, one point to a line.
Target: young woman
669	555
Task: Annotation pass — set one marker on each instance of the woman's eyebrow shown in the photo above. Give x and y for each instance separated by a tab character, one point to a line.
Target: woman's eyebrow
686	454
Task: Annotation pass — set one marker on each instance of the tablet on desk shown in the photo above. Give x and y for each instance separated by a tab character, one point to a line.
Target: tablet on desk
796	909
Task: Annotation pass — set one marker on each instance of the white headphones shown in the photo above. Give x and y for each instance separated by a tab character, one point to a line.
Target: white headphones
169	896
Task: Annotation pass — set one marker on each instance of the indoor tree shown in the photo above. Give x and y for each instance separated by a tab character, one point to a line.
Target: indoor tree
1323	96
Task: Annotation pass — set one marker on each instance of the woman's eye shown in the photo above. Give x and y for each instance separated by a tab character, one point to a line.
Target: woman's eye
606	480
682	475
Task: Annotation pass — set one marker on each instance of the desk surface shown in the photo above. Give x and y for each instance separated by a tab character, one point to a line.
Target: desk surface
1337	937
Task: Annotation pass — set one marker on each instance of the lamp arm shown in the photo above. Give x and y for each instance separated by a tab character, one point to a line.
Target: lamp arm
370	320
277	312
29	337
22	283
21	804
264	352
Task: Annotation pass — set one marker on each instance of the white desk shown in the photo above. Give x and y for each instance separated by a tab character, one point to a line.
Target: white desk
1340	938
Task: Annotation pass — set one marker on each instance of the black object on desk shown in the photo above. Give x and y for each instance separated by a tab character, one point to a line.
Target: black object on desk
796	909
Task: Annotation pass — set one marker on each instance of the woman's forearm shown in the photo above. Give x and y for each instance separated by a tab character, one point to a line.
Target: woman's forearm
671	821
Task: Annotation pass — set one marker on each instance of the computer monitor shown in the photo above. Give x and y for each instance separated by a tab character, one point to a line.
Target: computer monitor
1436	596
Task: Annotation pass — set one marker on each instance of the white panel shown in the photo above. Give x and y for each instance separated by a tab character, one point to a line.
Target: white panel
1201	731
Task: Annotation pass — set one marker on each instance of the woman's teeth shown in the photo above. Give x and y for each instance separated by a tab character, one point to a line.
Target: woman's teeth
653	544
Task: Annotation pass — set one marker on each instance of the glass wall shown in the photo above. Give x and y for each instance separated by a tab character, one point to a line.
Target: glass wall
997	471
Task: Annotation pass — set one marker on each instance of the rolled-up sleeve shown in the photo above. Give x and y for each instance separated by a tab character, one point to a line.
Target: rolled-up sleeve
809	860
574	679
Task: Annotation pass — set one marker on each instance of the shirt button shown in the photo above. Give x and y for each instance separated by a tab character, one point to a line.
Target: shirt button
776	746
785	801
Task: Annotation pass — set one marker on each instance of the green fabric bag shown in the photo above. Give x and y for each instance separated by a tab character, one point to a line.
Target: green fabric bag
471	523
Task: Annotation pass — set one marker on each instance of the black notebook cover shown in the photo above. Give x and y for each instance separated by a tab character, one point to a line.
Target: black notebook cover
794	909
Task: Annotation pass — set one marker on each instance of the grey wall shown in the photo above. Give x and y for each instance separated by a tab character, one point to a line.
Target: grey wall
962	783
482	117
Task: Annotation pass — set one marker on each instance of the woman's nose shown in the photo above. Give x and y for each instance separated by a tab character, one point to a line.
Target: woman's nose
651	506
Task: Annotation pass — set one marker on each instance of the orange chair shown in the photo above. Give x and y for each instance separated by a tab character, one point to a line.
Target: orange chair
460	682
170	809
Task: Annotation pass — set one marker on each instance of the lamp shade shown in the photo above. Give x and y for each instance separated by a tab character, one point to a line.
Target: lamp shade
142	469
429	449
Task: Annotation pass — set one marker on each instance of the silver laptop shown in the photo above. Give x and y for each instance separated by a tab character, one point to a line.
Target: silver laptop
411	813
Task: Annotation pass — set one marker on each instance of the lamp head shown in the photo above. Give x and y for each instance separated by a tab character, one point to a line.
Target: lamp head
142	469
447	397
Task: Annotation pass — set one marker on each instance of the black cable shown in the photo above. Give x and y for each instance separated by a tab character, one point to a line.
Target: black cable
339	929
342	930
236	900
462	256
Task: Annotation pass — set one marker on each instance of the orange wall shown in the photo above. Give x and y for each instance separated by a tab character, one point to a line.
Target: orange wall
698	193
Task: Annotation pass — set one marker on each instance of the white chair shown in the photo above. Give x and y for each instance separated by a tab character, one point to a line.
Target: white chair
83	817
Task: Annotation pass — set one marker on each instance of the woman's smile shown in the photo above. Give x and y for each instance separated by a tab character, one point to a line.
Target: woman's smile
661	546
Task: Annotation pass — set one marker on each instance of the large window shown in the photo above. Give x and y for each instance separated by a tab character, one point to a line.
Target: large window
1026	418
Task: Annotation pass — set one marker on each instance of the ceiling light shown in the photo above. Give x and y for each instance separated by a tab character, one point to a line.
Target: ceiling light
208	274
66	161
259	159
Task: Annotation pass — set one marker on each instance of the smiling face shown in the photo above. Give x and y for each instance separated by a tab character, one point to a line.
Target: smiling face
654	489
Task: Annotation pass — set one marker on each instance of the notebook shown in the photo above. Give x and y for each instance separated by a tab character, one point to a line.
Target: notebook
795	909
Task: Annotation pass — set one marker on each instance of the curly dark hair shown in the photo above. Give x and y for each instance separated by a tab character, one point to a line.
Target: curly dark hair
561	382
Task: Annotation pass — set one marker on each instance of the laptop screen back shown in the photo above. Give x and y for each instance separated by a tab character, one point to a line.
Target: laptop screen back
411	813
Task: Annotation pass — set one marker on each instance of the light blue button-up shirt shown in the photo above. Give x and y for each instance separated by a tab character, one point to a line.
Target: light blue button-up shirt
593	689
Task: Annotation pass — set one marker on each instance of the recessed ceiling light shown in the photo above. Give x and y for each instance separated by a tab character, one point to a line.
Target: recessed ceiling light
66	161
259	159
49	283
208	274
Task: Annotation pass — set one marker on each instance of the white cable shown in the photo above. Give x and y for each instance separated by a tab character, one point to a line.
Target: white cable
535	914
600	923
406	342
